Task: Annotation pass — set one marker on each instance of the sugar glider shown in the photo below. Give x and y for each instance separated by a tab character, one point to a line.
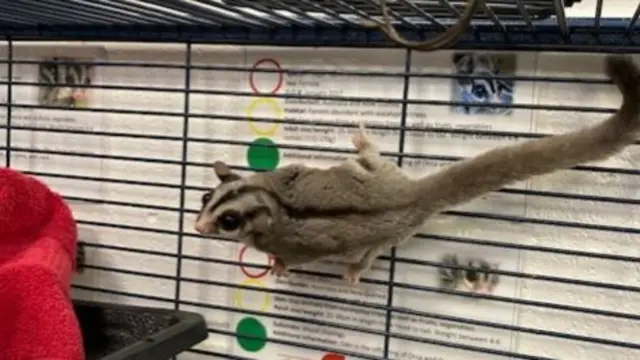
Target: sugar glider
364	206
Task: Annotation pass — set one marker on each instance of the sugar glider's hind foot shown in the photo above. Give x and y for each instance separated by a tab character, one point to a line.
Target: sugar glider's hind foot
352	274
279	269
352	279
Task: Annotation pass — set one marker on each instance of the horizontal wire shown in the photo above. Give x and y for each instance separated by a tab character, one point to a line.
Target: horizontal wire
122	203
369	357
510	191
296	71
102	179
370	305
418	339
288	121
128	227
498	217
319	98
420	235
203	188
427	236
522	275
399	260
516	219
324	149
484	242
123	293
491	243
537	221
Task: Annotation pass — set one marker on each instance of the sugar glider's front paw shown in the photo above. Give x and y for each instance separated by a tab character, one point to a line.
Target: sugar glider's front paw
279	268
359	138
352	274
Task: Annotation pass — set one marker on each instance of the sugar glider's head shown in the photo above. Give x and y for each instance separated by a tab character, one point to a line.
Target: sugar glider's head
235	209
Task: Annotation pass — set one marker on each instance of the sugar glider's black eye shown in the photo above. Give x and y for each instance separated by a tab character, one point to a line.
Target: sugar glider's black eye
229	221
206	197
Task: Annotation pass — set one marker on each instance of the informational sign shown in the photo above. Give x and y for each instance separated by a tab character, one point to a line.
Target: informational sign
36	141
348	99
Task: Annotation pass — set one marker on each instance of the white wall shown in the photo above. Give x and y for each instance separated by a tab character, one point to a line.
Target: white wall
610	8
165	244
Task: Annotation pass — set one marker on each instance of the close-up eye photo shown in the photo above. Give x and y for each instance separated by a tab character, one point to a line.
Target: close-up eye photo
320	180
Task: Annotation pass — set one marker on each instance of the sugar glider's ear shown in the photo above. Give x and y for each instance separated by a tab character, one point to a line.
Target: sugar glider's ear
224	172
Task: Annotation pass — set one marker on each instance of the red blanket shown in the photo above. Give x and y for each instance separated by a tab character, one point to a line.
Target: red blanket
37	259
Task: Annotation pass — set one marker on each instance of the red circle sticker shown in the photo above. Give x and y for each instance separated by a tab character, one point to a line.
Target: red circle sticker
246	272
331	356
252	82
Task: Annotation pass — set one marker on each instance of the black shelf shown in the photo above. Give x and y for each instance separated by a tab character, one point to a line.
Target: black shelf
126	332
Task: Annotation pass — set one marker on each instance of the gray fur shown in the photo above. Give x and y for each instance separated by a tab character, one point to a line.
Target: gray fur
363	207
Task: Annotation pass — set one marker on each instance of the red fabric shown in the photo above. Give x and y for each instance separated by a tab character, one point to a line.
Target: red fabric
37	258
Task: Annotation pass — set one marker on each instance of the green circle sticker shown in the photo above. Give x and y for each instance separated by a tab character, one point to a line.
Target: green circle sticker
253	328
263	155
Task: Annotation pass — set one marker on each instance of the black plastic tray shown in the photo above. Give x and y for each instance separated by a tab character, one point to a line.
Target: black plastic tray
126	332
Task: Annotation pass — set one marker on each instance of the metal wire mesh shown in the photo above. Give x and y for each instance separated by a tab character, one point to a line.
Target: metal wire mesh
524	24
244	12
605	331
22	121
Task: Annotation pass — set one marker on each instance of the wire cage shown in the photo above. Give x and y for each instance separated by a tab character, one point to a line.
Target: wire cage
122	106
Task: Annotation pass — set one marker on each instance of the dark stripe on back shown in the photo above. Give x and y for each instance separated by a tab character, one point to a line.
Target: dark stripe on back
302	213
296	213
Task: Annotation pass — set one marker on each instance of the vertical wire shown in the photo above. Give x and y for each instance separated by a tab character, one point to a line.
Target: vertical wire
183	172
7	152
525	14
598	14
561	18
401	140
633	21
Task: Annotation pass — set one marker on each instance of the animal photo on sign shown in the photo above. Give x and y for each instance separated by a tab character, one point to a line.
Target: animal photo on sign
476	279
59	79
484	87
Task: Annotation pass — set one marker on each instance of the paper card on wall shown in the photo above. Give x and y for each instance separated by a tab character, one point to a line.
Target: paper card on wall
216	111
417	266
447	90
260	154
577	93
50	105
156	96
486	83
310	312
580	94
485	88
324	95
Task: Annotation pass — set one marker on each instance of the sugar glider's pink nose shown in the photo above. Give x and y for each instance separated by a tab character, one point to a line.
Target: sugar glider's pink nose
200	228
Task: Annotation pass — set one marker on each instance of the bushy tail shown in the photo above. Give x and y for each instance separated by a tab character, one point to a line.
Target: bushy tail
489	171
